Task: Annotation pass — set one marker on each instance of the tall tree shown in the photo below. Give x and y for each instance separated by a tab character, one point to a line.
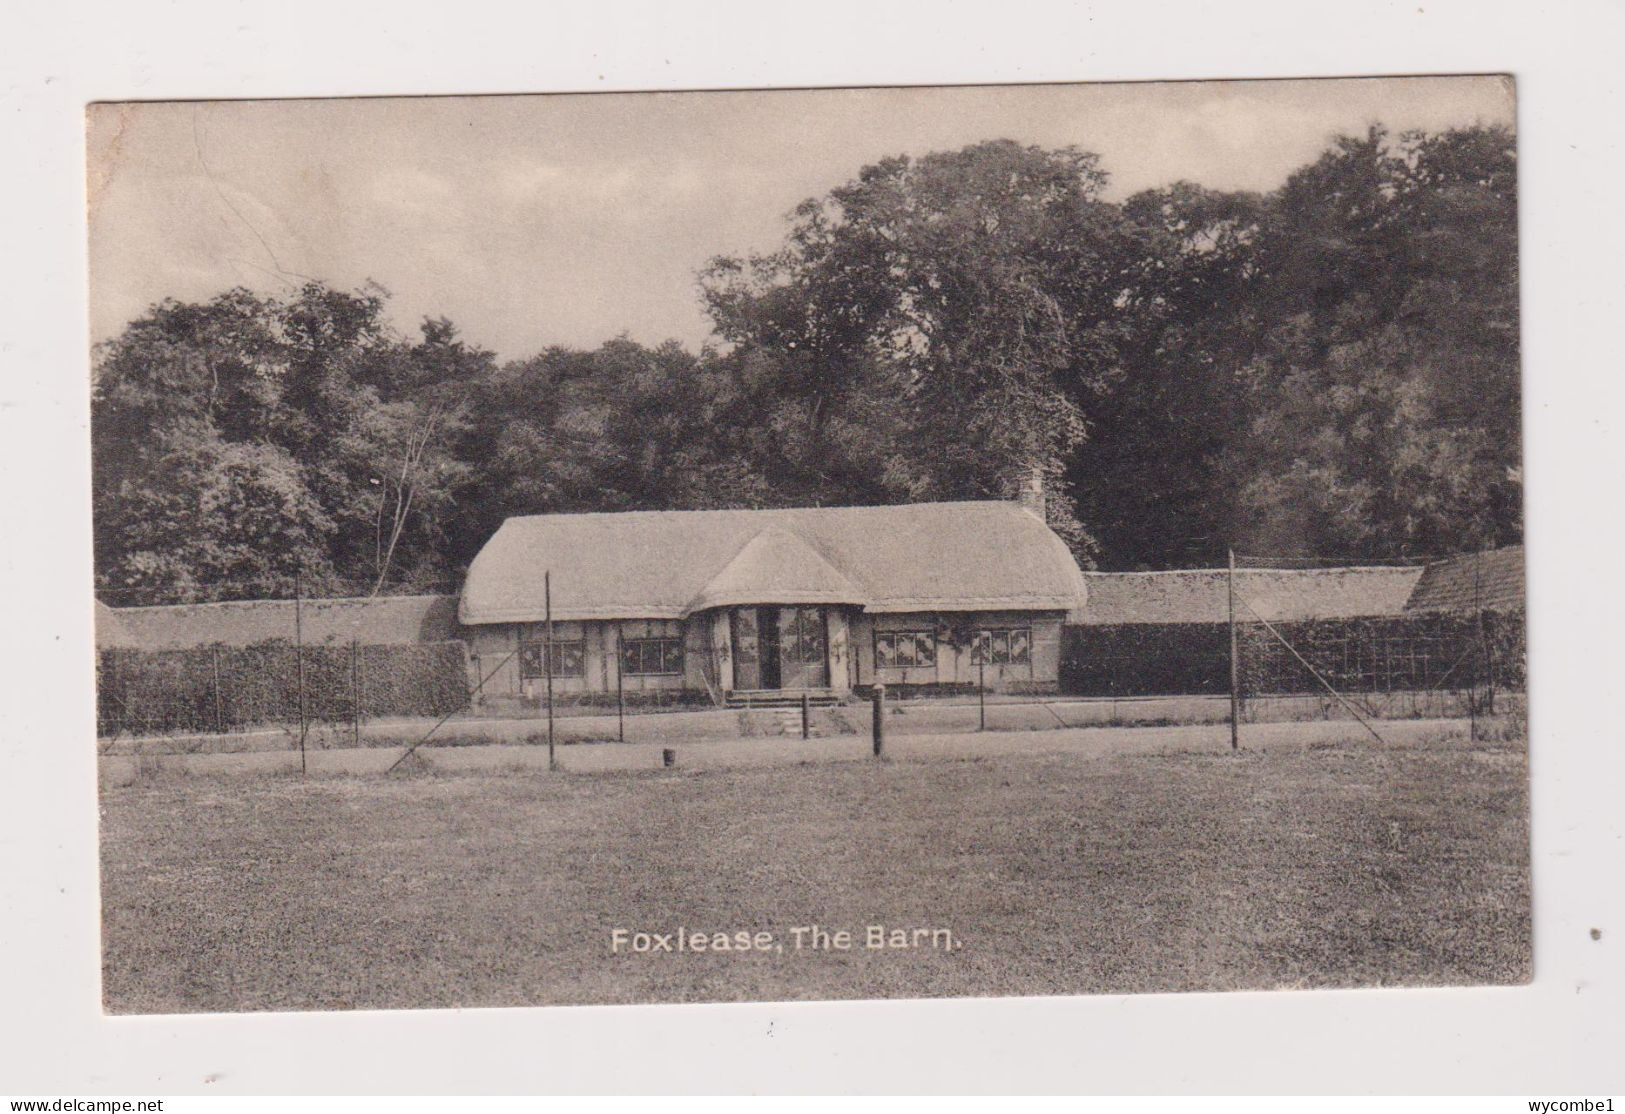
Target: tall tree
1152	479
1331	368
972	293
1385	394
239	442
619	427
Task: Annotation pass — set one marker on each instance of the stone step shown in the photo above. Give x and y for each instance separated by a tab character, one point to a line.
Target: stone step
790	723
780	700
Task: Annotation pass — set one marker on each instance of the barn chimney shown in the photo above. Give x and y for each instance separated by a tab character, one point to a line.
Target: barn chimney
1030	493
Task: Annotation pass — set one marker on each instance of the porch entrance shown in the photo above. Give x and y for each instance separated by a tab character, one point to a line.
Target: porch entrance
780	648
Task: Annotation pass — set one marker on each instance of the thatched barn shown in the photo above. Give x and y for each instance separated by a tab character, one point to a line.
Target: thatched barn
753	605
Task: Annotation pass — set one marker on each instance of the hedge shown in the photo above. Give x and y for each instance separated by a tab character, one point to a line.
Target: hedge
1412	652
218	688
1145	659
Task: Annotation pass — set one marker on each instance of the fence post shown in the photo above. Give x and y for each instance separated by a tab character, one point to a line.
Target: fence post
547	595
355	687
1235	694
806	712
219	713
1483	640
299	659
981	694
878	695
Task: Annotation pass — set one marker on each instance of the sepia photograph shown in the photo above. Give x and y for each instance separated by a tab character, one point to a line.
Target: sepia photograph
817	544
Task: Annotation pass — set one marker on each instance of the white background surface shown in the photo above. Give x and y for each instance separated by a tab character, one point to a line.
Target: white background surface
1560	1036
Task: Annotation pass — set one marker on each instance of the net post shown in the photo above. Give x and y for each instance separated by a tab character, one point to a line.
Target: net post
355	689
1235	672
1485	649
219	710
547	657
299	660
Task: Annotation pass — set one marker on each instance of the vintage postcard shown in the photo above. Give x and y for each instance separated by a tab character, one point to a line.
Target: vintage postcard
769	545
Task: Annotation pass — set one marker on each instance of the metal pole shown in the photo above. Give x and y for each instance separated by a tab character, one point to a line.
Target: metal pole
620	687
878	695
1483	636
1472	712
805	714
1478	621
547	599
1235	672
299	657
219	715
355	687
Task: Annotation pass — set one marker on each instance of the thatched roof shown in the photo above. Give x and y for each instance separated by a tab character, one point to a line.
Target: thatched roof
1279	595
371	621
777	565
1493	581
979	556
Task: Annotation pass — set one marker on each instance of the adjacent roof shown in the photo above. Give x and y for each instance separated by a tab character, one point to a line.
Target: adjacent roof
1279	595
371	621
973	556
110	631
1493	581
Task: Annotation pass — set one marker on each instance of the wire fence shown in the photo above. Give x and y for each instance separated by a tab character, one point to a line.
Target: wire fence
1253	667
1453	645
1381	657
1422	653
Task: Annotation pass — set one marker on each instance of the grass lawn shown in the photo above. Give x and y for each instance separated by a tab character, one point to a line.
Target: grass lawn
1338	866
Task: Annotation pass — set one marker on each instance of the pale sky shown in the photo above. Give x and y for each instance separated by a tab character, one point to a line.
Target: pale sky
568	219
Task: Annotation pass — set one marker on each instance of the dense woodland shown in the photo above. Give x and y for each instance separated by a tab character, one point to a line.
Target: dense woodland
1327	369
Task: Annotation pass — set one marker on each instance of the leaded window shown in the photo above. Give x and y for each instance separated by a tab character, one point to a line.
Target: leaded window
648	657
905	649
569	658
1003	646
801	635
